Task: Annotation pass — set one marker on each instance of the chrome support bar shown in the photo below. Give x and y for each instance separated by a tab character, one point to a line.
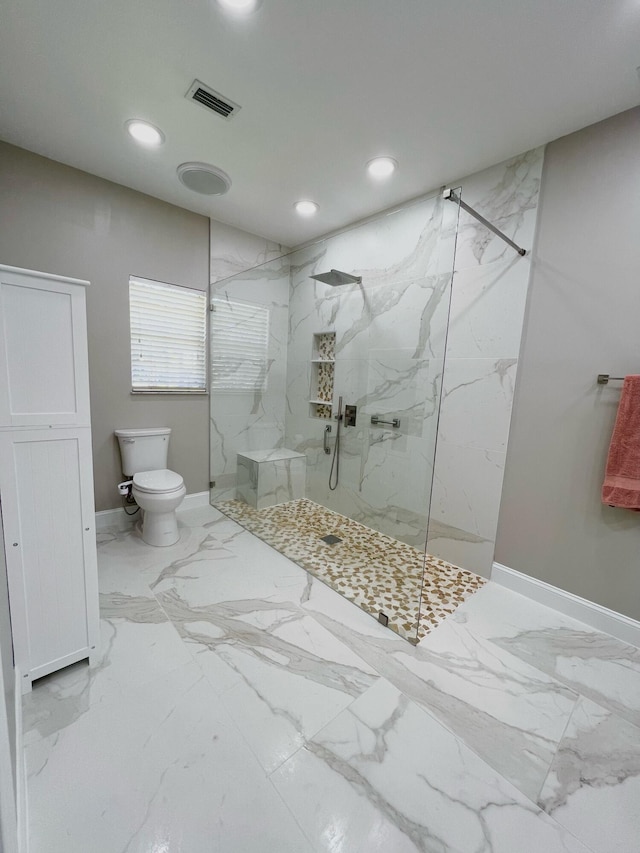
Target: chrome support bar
451	196
395	422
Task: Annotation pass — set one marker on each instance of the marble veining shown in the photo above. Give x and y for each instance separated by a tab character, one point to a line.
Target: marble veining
590	663
385	761
598	761
240	704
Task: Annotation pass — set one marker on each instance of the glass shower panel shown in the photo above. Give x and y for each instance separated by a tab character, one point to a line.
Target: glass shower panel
248	328
376	345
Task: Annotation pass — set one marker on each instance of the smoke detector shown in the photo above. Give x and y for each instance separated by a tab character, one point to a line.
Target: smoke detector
204	178
211	100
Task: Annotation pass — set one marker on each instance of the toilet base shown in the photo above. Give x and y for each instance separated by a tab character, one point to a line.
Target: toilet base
160	528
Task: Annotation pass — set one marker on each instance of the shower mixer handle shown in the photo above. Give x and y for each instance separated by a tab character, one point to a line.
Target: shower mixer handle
325	446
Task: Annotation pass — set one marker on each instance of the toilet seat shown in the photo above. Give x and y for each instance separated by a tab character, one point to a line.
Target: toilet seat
161	482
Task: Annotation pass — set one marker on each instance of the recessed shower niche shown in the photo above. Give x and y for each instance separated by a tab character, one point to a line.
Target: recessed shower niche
322	375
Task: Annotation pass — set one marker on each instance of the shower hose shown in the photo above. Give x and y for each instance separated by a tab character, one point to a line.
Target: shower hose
335	462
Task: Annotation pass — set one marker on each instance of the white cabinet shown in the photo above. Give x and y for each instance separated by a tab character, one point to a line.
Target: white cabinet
46	479
44	374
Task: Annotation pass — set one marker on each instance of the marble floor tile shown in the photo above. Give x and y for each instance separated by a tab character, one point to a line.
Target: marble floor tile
228	565
507	711
384	775
138	644
596	771
279	673
589	662
223	662
165	770
129	549
510	713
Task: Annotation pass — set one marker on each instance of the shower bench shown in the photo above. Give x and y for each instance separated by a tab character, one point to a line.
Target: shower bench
269	477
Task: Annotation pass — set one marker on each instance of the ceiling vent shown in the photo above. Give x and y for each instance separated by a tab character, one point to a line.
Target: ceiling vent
212	100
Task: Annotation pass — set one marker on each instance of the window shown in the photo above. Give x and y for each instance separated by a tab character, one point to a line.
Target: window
239	346
168	337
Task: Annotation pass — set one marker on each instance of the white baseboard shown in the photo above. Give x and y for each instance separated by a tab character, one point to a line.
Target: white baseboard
595	615
118	517
21	776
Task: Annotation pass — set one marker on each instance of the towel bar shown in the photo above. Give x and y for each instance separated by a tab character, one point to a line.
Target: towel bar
603	378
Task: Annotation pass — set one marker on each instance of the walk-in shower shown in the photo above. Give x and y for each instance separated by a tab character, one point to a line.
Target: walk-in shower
352	506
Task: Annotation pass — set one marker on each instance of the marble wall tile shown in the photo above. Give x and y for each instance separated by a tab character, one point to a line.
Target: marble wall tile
596	770
255	420
233	250
477	391
466	500
395	246
461	547
390	334
487	309
506	195
272	481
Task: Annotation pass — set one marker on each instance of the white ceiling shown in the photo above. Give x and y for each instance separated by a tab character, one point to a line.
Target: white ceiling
446	87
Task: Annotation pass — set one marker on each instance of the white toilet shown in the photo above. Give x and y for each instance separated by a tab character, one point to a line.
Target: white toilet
157	490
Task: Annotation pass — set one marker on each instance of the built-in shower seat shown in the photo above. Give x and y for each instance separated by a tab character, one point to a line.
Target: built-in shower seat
268	477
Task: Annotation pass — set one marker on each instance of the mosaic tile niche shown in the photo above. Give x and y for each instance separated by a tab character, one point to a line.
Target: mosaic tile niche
322	375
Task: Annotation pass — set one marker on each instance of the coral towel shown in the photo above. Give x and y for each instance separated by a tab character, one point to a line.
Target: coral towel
622	478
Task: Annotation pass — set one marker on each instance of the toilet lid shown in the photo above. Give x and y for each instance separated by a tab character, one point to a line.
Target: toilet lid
158	482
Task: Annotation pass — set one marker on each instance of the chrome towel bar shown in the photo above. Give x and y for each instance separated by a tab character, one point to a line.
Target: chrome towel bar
395	422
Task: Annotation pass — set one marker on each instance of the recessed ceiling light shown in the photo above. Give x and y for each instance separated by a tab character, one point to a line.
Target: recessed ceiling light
381	167
241	7
306	208
204	178
144	133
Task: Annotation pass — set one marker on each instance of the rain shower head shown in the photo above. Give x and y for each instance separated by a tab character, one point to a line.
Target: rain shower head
336	277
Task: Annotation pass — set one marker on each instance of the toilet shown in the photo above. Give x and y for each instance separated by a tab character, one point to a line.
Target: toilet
157	490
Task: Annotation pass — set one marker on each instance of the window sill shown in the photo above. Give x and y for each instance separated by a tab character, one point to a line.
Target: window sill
178	392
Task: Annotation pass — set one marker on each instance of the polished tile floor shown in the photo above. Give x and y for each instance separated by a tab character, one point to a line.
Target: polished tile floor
242	705
414	590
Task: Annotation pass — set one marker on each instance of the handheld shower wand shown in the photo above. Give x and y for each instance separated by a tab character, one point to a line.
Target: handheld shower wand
335	462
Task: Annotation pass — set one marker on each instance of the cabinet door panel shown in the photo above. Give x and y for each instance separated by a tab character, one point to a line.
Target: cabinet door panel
46	491
43	352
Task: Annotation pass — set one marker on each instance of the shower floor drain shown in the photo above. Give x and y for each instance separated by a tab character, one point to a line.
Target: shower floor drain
331	539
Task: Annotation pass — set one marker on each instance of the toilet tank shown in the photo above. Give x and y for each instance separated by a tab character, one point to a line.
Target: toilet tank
143	449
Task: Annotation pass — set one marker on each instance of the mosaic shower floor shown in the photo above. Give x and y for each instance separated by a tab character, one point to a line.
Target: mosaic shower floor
376	572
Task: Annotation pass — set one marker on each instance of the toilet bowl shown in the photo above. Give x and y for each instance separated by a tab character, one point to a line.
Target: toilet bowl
157	490
159	494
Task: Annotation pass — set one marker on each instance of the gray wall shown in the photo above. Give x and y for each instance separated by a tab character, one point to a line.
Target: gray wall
582	319
60	220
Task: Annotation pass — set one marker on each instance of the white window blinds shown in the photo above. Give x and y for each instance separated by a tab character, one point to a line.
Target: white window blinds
168	337
239	346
